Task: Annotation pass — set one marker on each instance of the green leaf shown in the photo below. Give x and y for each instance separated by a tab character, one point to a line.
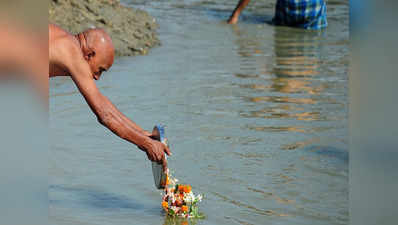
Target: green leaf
171	212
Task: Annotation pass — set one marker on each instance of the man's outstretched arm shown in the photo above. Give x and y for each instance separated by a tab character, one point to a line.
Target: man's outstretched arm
108	115
235	15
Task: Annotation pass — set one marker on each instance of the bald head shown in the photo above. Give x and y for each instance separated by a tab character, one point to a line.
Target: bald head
98	50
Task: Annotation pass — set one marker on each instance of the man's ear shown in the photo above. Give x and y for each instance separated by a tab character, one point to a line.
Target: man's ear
89	54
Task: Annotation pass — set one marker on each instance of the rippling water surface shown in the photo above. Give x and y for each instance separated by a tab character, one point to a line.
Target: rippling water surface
256	115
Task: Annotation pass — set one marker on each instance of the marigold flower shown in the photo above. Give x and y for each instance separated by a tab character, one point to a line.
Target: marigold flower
187	188
178	198
178	202
165	205
184	208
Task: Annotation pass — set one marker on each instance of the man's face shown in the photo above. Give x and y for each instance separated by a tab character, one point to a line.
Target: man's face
100	56
99	63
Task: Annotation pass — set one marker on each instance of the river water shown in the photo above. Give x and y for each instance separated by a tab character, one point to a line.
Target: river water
256	116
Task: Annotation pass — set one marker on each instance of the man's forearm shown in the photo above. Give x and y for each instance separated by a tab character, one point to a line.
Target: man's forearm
235	15
241	5
131	123
120	125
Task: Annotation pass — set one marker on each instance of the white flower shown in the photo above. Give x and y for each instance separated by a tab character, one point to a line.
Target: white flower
173	199
188	198
199	197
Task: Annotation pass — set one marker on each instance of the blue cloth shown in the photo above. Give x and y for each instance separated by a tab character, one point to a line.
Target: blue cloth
307	14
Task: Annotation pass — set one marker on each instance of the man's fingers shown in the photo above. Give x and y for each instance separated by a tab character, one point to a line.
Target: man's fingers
157	158
167	150
150	157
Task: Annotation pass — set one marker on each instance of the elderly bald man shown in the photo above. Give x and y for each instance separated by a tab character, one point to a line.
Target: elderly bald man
84	57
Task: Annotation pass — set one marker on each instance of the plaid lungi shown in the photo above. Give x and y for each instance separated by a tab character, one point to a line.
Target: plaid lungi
307	14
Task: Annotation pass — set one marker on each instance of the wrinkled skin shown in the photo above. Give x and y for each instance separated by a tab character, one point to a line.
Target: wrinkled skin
84	57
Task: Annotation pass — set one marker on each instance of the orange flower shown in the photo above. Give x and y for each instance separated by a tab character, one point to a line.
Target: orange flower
180	188
178	202
187	188
184	208
165	205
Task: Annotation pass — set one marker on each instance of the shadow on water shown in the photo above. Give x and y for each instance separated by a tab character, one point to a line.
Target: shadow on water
100	199
312	146
330	151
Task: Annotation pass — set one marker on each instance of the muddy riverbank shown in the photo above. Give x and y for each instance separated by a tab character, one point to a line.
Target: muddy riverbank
133	31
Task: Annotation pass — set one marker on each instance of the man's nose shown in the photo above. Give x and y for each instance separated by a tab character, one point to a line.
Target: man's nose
98	74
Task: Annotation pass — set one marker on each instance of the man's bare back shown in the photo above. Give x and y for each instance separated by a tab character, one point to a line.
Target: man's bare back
57	40
84	57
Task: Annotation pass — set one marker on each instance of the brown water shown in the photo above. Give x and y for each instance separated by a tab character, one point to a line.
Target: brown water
256	115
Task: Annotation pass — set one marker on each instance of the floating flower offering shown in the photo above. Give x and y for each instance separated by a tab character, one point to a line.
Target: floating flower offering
179	201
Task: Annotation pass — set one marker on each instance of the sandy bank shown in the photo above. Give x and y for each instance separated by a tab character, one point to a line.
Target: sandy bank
132	31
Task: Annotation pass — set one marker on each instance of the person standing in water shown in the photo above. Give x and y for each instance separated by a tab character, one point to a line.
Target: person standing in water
306	14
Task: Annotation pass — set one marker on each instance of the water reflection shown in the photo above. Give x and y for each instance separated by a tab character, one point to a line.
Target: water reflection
297	56
282	99
286	82
179	221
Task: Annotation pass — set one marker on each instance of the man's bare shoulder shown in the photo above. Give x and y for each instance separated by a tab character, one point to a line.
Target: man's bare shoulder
62	44
61	39
55	33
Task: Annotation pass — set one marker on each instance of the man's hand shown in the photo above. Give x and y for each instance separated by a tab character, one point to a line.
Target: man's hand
155	151
233	19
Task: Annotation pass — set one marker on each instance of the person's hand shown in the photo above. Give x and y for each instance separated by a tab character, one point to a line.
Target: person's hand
155	151
233	20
